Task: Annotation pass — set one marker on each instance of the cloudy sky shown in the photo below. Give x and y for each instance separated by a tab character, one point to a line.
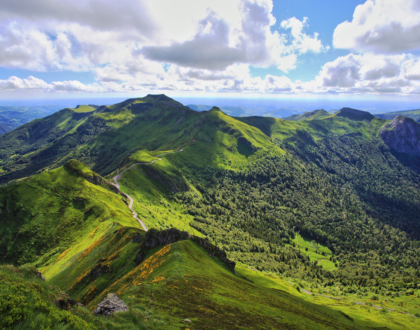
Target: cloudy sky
354	48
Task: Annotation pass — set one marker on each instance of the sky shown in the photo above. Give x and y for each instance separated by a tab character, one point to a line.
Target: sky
300	49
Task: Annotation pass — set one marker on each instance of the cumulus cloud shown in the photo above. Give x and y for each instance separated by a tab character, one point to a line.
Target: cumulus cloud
301	41
369	73
381	26
222	41
18	83
200	46
128	37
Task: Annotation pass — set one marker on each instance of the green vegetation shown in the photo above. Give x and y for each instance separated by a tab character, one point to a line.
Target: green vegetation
142	156
26	302
45	214
84	108
320	202
313	115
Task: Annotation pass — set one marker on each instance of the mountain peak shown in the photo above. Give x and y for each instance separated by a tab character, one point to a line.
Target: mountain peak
158	98
354	114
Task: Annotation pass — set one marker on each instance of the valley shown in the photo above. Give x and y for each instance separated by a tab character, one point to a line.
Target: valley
200	220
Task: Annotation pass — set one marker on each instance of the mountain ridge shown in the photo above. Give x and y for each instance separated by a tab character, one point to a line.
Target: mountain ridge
317	203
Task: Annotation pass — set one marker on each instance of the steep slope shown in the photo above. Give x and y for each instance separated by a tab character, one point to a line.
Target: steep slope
45	214
403	135
105	137
176	275
324	203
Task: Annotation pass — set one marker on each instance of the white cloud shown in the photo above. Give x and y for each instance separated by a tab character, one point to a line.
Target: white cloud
201	46
368	74
381	26
301	42
130	37
18	83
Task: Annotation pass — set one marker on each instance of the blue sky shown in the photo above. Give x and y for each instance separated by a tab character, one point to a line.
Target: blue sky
241	48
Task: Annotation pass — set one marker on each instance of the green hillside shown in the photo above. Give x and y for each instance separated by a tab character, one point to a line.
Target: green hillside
312	115
44	215
321	203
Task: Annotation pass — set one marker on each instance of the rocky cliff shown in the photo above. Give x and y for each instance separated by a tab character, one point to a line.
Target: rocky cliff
403	135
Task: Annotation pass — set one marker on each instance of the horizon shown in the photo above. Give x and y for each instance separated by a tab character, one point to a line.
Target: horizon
262	105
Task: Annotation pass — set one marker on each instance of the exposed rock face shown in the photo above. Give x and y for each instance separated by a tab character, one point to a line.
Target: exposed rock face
39	275
403	135
154	238
111	304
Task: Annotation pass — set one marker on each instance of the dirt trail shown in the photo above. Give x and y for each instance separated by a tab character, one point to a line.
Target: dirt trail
116	184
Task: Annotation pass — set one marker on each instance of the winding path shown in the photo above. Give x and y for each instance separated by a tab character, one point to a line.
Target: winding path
116	184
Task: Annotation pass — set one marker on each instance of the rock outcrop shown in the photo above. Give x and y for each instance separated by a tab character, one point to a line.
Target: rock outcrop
403	135
111	304
154	238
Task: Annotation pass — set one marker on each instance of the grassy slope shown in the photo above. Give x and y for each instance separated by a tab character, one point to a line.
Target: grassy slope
84	108
283	129
313	115
366	315
181	281
44	215
26	302
314	251
208	139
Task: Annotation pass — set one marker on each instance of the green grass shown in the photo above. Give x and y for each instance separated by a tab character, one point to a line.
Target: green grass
46	214
83	108
153	201
182	281
26	302
312	115
315	251
142	156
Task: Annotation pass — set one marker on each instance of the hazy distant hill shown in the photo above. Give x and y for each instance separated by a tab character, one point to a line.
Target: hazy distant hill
230	110
415	114
15	116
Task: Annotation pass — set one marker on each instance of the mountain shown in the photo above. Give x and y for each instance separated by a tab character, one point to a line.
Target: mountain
414	114
308	210
354	114
313	115
403	135
233	111
15	116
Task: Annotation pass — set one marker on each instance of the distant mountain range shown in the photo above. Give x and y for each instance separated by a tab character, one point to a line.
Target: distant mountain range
414	114
15	116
